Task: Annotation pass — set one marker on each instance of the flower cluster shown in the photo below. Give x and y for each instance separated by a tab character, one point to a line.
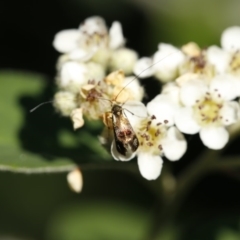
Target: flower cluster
199	92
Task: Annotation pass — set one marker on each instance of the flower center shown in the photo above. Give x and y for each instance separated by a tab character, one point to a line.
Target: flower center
94	99
150	134
94	40
206	111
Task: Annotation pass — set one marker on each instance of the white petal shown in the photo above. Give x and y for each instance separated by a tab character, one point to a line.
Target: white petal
93	25
150	166
214	137
67	40
119	157
172	91
95	71
163	109
72	72
174	145
116	38
229	113
192	91
65	102
80	54
143	68
124	59
167	61
219	58
77	118
185	122
230	39
224	86
132	84
135	112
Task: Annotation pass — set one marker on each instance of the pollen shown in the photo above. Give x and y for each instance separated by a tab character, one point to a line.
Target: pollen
207	111
150	135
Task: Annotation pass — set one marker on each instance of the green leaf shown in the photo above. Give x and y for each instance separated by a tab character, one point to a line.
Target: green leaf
41	141
99	220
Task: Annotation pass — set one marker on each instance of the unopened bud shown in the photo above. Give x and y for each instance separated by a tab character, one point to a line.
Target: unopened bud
75	180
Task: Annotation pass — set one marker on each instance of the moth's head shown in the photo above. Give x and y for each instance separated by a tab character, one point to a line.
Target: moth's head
116	109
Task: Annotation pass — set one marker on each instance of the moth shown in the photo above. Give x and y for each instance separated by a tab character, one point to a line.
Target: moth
125	138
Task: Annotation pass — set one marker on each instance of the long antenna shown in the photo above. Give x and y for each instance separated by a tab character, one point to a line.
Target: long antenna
143	72
40	106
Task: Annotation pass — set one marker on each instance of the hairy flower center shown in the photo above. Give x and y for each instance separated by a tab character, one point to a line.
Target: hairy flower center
94	40
150	134
207	111
94	99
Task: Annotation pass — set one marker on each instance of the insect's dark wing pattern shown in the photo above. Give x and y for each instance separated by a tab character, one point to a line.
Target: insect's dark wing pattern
134	143
120	147
126	141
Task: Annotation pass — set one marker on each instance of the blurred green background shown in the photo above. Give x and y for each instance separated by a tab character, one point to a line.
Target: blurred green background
116	202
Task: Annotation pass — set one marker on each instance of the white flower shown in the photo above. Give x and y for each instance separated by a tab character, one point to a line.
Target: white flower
124	88
143	67
208	109
227	58
169	59
65	102
123	59
91	40
164	105
219	58
155	140
164	64
73	75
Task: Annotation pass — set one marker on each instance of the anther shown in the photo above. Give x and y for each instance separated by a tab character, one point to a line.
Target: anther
157	133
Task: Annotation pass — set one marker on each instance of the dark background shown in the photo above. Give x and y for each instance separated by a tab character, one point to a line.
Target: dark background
115	203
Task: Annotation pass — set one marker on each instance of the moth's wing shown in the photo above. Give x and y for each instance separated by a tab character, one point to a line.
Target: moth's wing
120	146
134	143
118	156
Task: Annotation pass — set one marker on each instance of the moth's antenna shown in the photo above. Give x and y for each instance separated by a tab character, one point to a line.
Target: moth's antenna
131	113
143	72
40	105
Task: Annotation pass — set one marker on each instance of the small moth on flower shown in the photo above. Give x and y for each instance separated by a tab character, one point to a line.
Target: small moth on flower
125	140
